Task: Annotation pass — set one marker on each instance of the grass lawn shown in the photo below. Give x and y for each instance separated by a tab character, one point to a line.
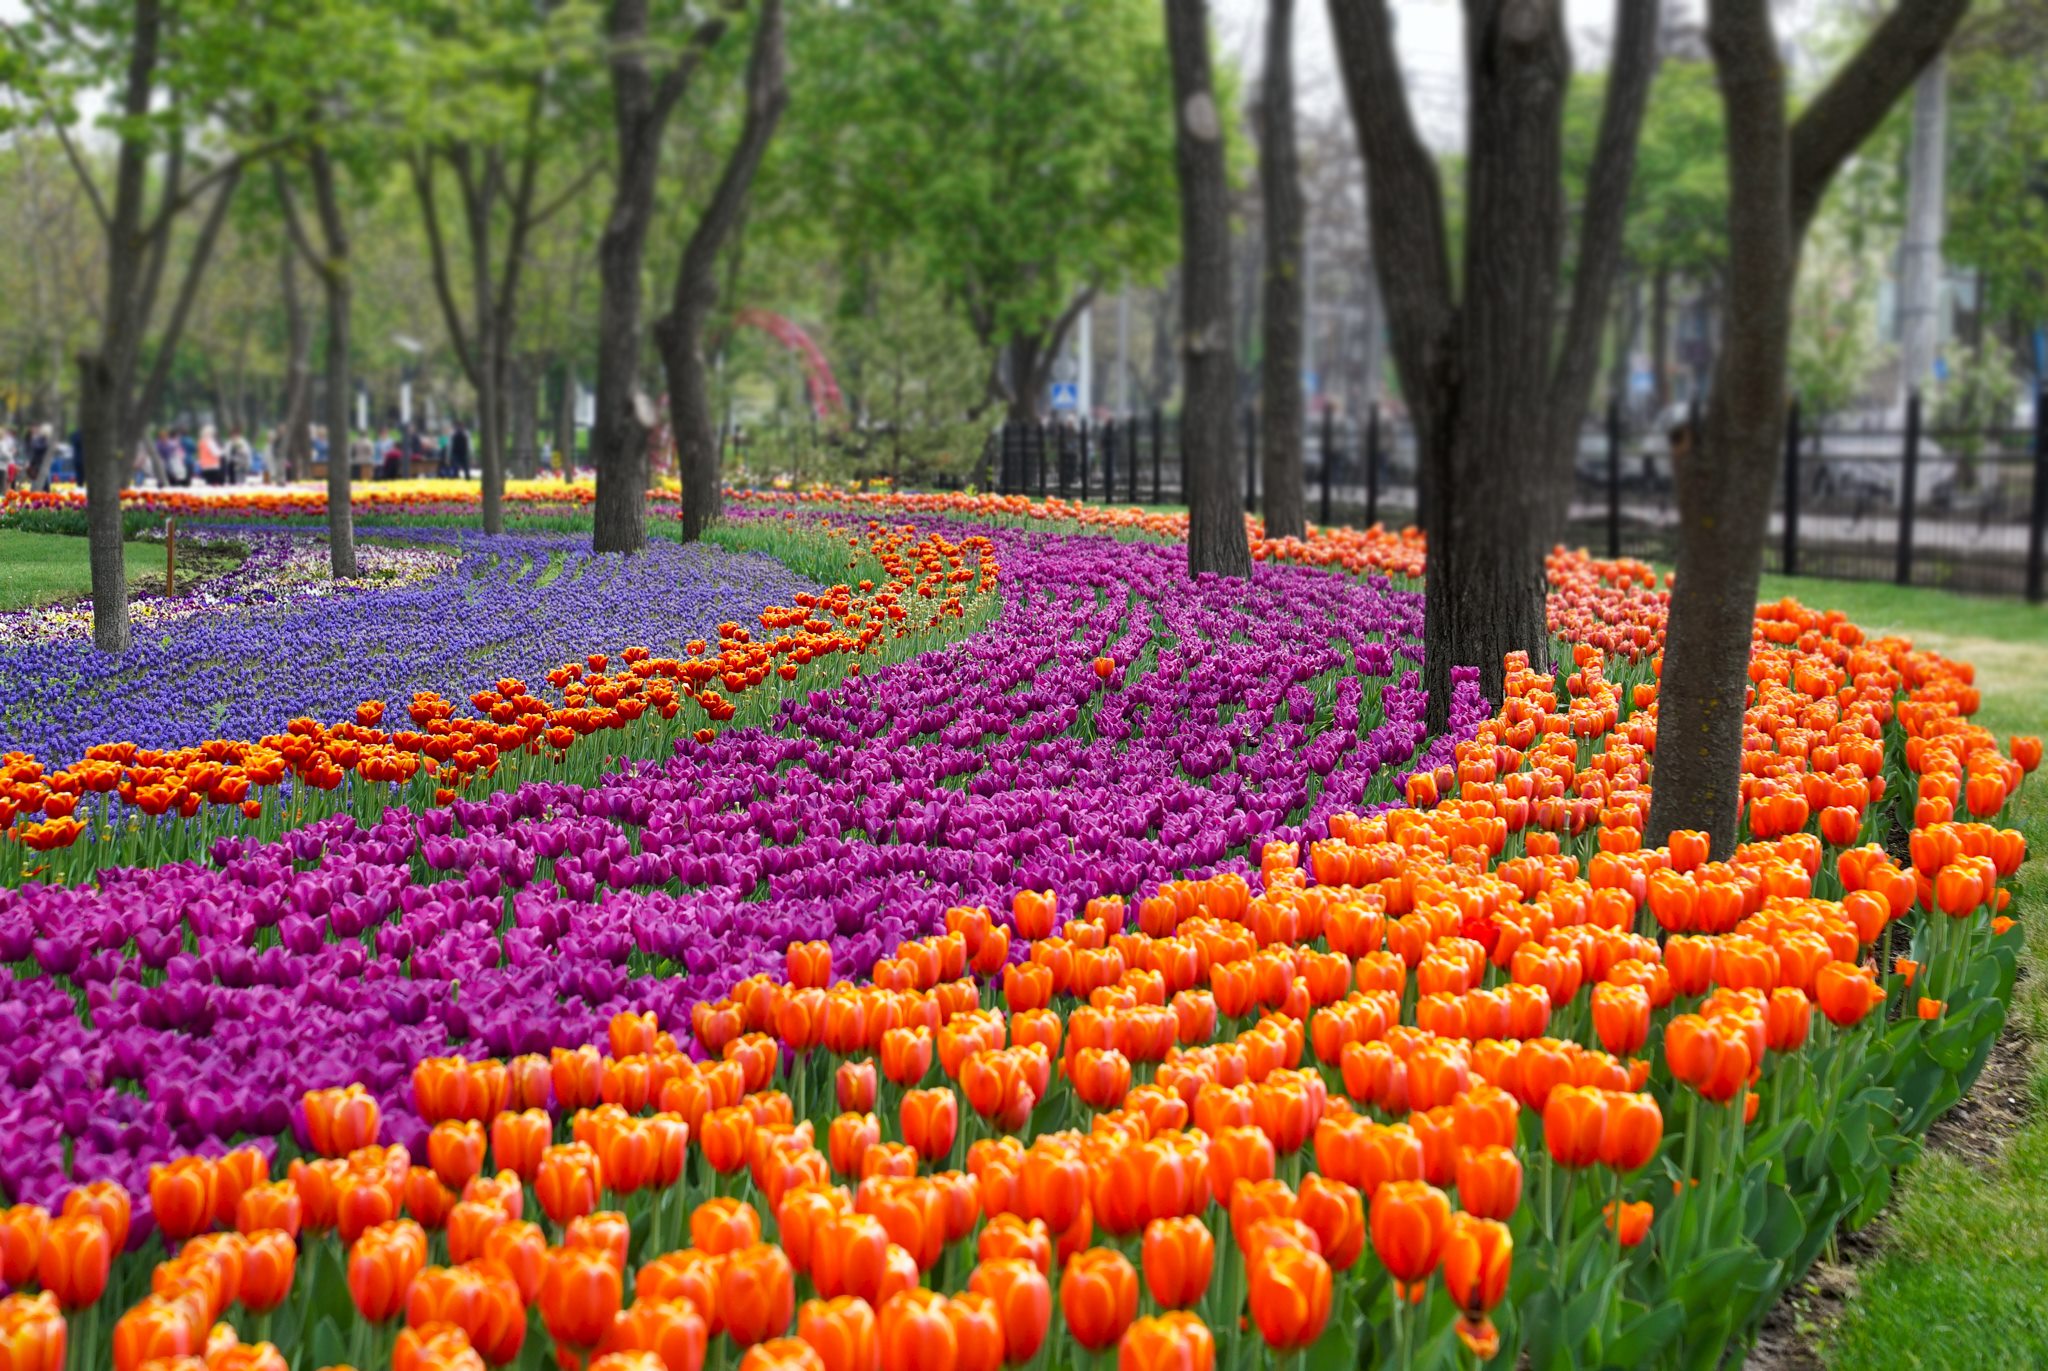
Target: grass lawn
1957	1281
37	568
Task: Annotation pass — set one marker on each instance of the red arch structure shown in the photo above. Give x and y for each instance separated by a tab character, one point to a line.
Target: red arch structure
826	401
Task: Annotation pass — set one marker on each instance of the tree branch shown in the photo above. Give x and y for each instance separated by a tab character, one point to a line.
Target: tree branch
231	169
1605	213
1405	201
677	79
421	164
181	309
294	227
1862	93
71	153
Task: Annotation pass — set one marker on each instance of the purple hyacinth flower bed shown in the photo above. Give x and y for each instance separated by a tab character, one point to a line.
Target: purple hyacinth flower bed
514	605
176	1008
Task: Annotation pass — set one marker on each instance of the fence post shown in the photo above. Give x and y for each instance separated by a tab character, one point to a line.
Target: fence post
1040	465
1158	445
1329	460
171	555
1082	456
1790	558
1613	479
2037	529
1372	464
1108	462
1909	490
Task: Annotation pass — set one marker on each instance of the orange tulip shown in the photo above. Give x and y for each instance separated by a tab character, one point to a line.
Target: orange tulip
906	1055
757	1293
580	1292
977	1332
1290	1296
723	1225
1022	1299
1478	1255
780	1354
1634	1220
1099	1296
1336	1213
1846	992
568	1181
158	1326
855	1085
338	1121
728	1136
1238	1154
1489	1182
77	1253
1053	1186
841	1331
913	1333
381	1266
32	1333
1179	1255
1011	1236
1175	1341
518	1138
105	1201
1635	1127
605	1231
22	1231
269	1261
1574	1120
1621	1016
1034	912
930	1119
671	1329
1408	1222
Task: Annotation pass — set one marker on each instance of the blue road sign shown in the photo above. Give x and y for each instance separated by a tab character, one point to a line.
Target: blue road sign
1066	396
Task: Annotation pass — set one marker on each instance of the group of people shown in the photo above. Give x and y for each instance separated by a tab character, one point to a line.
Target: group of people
179	457
30	459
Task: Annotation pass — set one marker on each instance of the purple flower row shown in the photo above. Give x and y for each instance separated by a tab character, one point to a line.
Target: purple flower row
196	1003
253	666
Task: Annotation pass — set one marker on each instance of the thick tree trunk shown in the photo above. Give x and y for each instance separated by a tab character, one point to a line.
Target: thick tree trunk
640	110
1776	178
101	391
680	333
1488	518
1216	534
1280	363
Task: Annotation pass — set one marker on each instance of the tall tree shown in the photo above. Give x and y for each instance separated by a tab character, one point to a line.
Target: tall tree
329	259
1778	171
679	334
1017	148
1280	387
167	65
1216	536
496	144
1496	390
643	97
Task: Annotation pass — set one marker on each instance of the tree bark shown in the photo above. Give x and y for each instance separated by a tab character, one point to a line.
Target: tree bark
680	333
297	440
640	110
1280	361
330	262
1496	396
1776	178
1216	533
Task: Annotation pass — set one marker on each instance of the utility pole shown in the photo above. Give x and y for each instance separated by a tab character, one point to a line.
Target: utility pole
1920	253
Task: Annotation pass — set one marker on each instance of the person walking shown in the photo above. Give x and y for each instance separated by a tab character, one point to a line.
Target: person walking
40	459
239	457
210	469
458	451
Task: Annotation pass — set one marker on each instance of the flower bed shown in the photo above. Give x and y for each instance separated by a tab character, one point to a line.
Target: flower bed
518	613
1609	1052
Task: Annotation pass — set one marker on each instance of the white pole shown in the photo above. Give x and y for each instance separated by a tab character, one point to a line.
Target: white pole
1123	350
1920	254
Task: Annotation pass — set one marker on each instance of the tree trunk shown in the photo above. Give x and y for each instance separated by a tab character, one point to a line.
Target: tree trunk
1776	178
640	110
680	333
523	424
334	280
1280	191
565	422
297	443
1216	535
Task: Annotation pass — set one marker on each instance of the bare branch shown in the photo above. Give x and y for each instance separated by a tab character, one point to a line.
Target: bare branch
57	126
1862	93
1605	214
421	164
181	309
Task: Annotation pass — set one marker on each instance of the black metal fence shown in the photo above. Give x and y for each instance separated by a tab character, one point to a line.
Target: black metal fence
1913	504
